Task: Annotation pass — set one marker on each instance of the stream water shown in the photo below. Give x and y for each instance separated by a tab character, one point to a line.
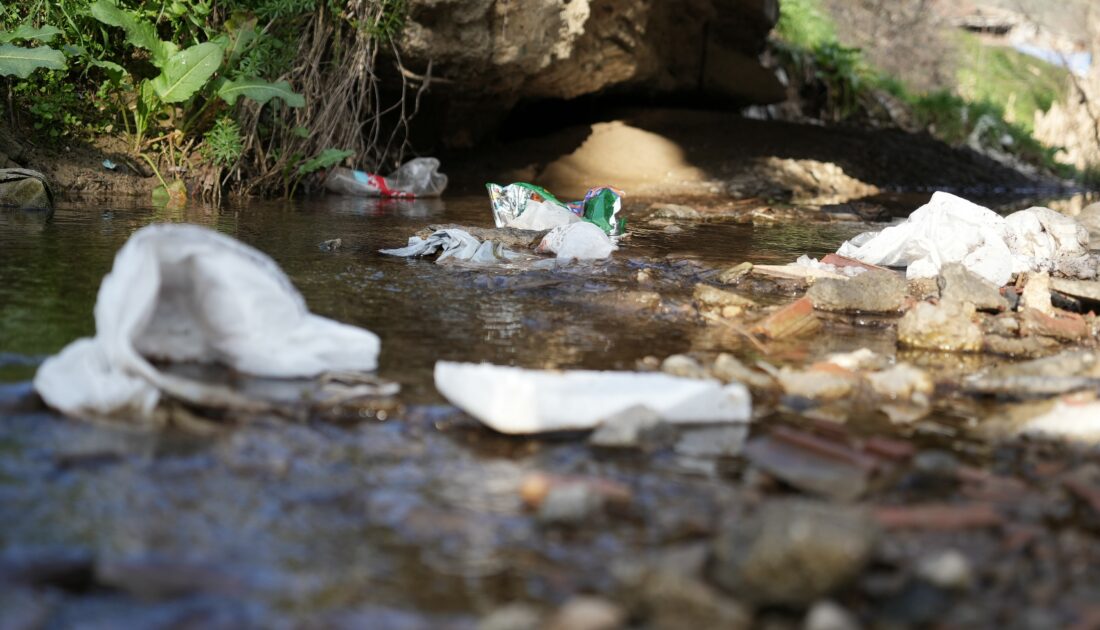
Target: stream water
408	522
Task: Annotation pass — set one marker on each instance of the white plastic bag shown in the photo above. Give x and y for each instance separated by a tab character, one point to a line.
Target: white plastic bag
581	241
419	177
516	400
951	229
184	293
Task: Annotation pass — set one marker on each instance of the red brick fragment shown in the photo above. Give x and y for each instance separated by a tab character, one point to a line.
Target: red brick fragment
793	319
828	448
891	449
1088	493
939	516
1065	326
837	260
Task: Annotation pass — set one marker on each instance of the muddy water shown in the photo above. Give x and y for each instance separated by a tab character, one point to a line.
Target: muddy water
411	522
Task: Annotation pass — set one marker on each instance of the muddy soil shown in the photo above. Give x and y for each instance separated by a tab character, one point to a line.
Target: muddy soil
699	153
406	513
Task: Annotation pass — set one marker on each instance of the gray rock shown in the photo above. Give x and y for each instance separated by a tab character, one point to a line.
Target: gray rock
947	326
638	427
515	616
668	600
25	189
948	570
570	504
959	284
1090	219
683	366
587	613
869	292
793	552
673	211
827	615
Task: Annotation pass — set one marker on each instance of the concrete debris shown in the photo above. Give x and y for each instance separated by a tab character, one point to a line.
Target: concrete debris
869	292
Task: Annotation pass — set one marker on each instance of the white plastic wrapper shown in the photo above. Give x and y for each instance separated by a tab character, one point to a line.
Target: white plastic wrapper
184	293
521	401
455	244
419	177
579	241
951	229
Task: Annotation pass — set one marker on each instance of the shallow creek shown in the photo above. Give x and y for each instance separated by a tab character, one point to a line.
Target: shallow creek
407	521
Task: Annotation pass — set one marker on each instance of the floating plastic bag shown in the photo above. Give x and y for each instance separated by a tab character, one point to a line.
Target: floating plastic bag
184	293
525	206
516	400
456	245
581	241
419	177
951	229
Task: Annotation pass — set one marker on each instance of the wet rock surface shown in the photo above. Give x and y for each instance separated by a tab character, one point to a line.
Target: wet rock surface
793	552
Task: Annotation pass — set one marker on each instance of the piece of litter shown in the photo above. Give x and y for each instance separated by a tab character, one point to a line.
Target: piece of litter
419	177
519	401
951	229
581	241
457	245
109	165
184	293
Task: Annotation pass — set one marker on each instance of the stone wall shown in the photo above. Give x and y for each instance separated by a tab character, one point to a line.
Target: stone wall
492	53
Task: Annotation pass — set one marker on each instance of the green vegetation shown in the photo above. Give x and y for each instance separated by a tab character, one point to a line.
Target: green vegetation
998	90
229	81
1021	82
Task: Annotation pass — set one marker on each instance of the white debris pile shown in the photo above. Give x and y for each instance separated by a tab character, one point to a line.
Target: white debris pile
522	401
184	293
812	263
951	229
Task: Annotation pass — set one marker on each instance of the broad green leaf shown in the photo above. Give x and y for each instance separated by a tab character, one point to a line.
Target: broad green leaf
260	91
26	31
115	73
139	32
324	159
23	61
240	33
187	72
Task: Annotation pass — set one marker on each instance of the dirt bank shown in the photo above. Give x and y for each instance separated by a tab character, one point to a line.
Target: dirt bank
689	152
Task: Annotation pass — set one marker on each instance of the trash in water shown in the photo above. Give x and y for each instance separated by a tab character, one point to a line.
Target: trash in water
456	244
184	293
519	401
580	241
575	241
419	177
531	207
951	229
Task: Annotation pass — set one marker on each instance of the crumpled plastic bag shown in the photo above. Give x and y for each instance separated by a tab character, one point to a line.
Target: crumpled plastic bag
184	293
951	229
530	207
579	241
456	245
520	401
419	177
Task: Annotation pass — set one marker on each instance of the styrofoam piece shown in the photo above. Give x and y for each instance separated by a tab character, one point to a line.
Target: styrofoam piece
521	401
